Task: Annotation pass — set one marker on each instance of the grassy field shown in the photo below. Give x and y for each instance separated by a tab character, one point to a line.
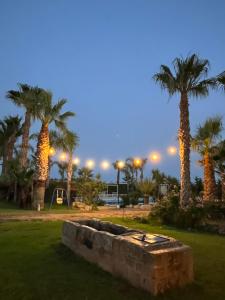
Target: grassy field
34	265
11	208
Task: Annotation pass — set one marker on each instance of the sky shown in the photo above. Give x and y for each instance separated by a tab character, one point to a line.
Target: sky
101	56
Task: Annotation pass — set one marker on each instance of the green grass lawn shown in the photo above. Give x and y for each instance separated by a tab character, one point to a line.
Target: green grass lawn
34	265
9	208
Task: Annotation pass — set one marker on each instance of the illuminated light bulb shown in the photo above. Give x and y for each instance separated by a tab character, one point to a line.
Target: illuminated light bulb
155	157
51	151
137	162
105	165
172	150
90	164
76	161
120	164
62	156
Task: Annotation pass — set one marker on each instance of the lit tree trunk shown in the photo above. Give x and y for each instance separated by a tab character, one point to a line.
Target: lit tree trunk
209	179
41	166
49	171
25	140
69	176
184	142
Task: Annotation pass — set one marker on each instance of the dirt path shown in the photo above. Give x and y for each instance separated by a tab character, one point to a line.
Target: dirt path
101	213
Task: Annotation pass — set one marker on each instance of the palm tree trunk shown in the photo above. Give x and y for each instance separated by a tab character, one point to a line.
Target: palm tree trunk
223	186
184	142
49	171
142	174
4	160
69	176
41	166
209	179
25	140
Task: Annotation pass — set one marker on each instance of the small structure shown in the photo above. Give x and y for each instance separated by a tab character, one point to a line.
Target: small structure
152	262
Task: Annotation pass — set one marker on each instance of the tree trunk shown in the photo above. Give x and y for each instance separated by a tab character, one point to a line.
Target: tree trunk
209	179
223	186
4	160
184	142
49	171
41	167
69	177
25	140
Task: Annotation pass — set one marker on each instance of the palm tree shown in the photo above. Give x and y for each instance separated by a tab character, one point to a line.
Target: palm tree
146	187
28	98
204	142
69	143
85	174
142	166
47	113
221	80
189	79
10	130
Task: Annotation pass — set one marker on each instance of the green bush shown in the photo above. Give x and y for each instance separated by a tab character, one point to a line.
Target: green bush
168	211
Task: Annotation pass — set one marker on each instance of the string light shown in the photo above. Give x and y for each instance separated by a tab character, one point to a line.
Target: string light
51	151
120	164
76	161
155	157
63	156
90	164
105	165
172	150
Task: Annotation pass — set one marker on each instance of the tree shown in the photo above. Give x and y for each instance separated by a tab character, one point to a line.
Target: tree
204	142
221	80
28	98
189	79
69	143
84	174
10	130
142	166
47	113
88	186
146	187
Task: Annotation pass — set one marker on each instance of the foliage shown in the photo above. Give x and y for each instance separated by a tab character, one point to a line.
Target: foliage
146	187
168	211
89	187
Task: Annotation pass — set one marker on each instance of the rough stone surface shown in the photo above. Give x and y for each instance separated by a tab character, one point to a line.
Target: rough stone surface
152	267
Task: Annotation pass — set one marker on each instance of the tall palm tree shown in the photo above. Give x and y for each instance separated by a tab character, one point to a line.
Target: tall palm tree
28	98
10	130
204	142
188	79
142	166
47	113
69	143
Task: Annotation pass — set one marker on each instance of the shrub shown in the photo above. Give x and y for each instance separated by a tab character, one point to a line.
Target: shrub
168	211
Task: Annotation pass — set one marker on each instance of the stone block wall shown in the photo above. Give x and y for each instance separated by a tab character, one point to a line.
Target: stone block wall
114	249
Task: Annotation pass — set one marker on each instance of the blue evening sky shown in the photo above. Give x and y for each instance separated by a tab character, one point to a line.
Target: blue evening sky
101	55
